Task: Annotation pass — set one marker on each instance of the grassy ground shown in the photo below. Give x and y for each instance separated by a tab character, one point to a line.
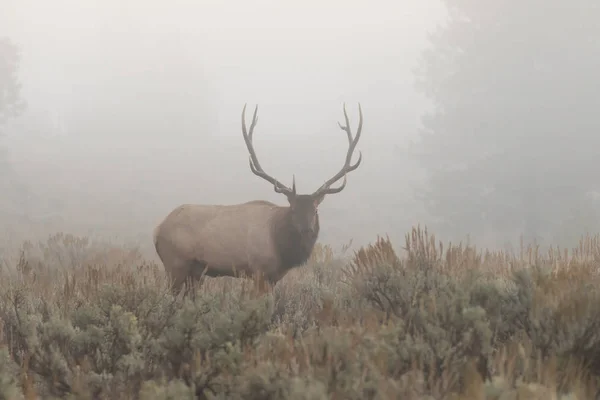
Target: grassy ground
84	320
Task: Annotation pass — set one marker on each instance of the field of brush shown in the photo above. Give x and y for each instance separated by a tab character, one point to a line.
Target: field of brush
81	320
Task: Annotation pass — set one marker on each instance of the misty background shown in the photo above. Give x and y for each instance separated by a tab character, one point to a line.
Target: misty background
480	120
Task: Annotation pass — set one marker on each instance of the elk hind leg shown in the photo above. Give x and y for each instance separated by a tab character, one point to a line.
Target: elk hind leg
180	274
197	272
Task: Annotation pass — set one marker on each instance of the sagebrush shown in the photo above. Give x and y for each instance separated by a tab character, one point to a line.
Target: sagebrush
83	320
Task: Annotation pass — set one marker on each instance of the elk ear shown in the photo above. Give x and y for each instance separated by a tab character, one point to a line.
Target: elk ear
291	199
318	199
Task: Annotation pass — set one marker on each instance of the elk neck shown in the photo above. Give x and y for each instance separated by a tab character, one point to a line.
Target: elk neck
293	247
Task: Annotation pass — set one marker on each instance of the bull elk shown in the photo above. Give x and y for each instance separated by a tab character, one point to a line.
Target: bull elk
253	238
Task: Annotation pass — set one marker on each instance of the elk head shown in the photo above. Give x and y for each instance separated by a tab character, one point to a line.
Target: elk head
304	207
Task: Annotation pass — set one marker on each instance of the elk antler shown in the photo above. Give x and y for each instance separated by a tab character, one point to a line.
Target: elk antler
255	165
347	167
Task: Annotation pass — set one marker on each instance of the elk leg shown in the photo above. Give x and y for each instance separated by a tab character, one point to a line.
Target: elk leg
180	275
177	284
263	284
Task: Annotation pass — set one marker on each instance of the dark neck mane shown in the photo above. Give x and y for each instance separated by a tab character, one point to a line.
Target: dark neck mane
293	251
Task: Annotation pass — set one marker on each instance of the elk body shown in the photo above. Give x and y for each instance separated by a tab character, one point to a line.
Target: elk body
253	238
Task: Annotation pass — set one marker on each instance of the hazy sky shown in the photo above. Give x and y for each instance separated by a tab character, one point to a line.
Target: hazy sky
290	57
168	79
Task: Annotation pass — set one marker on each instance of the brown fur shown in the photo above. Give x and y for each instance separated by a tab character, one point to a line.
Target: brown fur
253	237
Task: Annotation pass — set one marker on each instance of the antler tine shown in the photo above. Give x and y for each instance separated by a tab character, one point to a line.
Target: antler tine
348	166
253	160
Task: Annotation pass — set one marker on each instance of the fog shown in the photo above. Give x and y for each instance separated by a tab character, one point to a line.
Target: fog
134	108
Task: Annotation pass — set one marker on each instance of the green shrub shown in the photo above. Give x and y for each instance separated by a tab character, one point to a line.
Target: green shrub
433	324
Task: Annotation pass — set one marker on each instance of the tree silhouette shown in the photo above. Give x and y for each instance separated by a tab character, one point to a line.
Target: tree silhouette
15	195
511	143
11	103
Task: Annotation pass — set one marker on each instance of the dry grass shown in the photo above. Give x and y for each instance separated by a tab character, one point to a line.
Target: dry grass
81	319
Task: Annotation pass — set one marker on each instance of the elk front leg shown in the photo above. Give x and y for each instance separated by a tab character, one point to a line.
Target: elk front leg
262	284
